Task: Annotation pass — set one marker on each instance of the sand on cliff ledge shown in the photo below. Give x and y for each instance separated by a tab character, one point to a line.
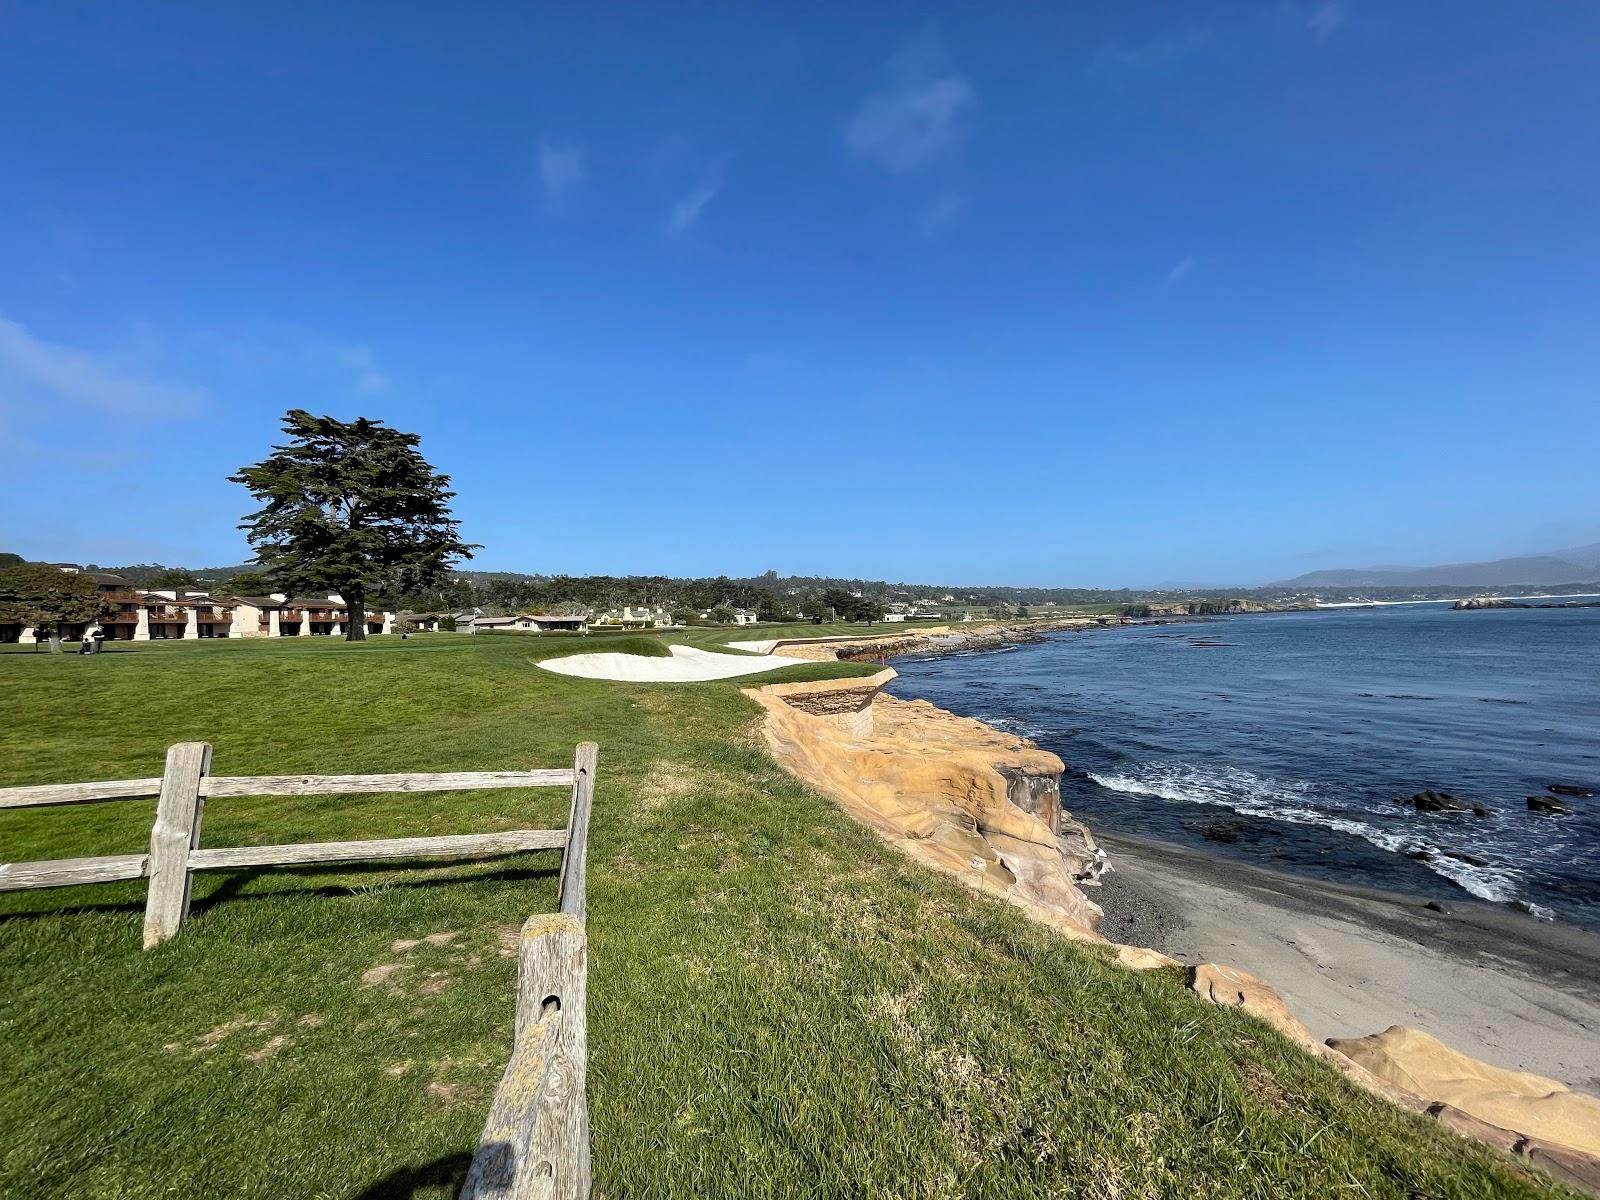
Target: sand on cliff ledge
1501	986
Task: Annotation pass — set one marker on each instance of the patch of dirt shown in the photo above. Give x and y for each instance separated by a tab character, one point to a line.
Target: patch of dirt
397	1069
309	1021
448	1092
213	1038
1263	1087
508	938
666	782
268	1049
401	945
383	974
435	983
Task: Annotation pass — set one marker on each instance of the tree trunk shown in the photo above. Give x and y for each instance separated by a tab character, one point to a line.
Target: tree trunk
355	624
55	642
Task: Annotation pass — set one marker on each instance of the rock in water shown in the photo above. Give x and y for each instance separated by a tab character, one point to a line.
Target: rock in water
1545	804
1443	802
1569	789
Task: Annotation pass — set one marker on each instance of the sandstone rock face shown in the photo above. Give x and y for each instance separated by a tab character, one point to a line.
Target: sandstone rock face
950	792
1542	1109
1142	958
1235	988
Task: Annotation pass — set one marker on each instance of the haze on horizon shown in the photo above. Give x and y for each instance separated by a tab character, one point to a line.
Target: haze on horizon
1011	294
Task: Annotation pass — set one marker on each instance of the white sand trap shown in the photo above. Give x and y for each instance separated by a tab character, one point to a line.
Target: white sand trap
687	665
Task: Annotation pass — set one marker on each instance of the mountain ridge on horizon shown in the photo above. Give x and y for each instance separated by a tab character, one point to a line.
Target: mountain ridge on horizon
1579	564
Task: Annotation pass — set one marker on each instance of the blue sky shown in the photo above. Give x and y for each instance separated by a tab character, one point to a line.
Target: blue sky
1053	294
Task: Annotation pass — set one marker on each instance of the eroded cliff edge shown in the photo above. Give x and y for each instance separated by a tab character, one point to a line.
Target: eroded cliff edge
949	791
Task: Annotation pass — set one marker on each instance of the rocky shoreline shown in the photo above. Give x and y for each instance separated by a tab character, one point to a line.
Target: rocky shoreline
985	807
945	639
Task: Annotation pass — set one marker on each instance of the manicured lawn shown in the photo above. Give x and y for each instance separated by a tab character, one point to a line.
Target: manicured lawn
780	1006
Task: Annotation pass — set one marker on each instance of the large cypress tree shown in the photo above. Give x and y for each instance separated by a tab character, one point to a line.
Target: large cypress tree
352	507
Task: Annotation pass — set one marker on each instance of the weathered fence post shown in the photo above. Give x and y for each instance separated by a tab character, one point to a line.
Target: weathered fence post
574	888
536	1140
175	833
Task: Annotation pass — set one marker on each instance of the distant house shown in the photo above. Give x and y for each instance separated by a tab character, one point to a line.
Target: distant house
549	623
171	613
280	615
640	616
532	623
421	622
134	614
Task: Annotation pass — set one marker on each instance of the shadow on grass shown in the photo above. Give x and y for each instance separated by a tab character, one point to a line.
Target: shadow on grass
232	889
403	1183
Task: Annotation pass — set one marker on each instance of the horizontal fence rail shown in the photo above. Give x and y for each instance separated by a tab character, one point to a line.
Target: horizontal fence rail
181	792
41	795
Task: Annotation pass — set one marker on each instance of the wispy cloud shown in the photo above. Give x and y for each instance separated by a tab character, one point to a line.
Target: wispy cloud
561	169
362	364
1154	54
924	110
82	379
687	210
1325	18
946	208
1180	271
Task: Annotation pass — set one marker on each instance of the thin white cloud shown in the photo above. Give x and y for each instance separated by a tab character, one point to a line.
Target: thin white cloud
1324	19
362	363
1154	54
84	380
561	169
924	110
1180	271
687	210
942	211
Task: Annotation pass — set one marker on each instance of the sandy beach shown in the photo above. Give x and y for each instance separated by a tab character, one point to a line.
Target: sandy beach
1504	987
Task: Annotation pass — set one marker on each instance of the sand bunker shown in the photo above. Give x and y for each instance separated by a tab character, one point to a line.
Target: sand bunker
687	665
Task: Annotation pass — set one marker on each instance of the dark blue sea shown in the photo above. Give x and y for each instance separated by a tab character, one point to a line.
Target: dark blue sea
1285	739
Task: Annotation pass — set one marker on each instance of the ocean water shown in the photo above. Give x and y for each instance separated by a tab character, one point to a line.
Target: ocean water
1285	740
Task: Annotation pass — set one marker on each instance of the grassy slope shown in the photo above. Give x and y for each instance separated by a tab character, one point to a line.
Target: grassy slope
780	1005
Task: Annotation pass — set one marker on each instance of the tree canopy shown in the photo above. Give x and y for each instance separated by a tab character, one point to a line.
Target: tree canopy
353	507
248	583
40	595
173	577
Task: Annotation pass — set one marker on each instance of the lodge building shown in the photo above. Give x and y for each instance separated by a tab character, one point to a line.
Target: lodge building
133	614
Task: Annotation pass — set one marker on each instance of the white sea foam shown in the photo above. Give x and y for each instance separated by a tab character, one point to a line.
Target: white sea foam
1255	795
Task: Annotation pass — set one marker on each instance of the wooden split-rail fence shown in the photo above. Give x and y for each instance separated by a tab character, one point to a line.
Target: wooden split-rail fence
536	1139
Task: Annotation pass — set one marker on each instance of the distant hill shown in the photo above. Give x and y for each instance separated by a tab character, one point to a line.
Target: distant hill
1578	565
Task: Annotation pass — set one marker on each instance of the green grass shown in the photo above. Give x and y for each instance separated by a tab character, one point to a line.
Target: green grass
780	1005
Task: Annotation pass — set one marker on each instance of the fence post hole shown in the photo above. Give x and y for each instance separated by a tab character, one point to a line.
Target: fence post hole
573	892
175	833
535	1142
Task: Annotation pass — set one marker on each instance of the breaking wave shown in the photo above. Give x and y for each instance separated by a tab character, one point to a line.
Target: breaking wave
1253	795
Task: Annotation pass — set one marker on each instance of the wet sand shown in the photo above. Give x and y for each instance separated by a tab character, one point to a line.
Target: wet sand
1502	986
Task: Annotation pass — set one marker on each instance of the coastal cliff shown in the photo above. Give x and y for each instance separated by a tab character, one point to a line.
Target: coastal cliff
949	791
985	807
